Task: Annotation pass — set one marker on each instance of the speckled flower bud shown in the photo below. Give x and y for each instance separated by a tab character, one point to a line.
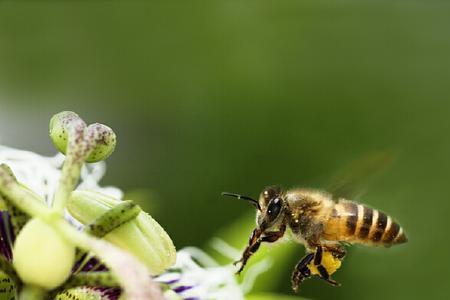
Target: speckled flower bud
65	125
41	256
59	128
104	142
142	236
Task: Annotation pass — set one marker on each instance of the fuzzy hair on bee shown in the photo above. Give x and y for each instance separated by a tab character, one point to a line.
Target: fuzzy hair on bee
321	224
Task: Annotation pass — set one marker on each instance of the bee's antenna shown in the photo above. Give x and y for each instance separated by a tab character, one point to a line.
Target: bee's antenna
251	200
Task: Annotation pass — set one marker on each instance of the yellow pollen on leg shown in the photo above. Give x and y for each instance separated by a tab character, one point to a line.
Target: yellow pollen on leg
329	262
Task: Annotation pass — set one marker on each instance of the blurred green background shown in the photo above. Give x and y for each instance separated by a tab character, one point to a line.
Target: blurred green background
207	96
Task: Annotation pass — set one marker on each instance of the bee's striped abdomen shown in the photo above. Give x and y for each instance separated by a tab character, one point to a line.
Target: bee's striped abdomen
356	223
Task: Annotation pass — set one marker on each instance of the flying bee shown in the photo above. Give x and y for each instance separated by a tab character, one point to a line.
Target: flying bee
321	224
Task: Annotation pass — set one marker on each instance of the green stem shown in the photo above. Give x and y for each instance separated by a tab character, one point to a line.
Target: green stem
78	142
69	177
86	256
92	279
20	196
78	148
30	292
8	269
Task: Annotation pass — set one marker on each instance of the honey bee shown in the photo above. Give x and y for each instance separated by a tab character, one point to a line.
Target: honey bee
321	224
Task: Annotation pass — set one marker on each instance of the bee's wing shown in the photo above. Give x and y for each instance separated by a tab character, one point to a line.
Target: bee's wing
350	181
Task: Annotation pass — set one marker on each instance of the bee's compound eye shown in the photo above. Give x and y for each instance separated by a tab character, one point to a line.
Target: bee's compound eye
274	208
271	192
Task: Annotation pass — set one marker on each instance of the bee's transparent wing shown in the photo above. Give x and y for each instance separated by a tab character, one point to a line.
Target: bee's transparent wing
350	181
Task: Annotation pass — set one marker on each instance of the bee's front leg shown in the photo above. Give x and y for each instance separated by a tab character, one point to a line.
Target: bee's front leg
255	241
253	246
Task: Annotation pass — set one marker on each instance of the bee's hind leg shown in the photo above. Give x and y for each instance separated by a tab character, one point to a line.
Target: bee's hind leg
301	271
323	272
337	250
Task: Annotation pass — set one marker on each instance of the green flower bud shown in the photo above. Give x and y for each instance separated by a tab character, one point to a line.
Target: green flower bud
104	142
41	256
59	128
65	125
142	236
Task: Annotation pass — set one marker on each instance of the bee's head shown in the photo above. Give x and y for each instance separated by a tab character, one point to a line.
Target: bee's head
271	203
269	206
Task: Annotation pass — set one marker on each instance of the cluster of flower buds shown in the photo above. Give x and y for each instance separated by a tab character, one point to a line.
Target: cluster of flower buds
68	128
47	247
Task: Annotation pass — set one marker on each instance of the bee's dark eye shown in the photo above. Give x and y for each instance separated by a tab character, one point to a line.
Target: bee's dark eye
271	192
274	208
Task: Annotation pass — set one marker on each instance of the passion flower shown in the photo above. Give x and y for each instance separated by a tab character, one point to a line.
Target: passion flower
141	235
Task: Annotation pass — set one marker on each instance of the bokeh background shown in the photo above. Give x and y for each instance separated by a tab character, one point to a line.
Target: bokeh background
207	96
